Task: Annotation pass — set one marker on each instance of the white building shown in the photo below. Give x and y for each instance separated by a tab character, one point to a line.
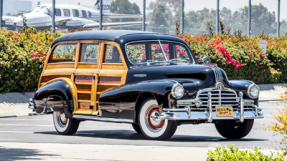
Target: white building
11	7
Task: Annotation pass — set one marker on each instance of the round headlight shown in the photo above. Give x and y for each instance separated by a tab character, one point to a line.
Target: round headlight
177	91
253	91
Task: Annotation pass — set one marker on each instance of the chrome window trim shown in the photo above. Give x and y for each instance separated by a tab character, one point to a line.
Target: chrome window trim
187	47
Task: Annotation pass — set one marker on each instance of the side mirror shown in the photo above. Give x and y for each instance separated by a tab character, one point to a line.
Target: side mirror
205	59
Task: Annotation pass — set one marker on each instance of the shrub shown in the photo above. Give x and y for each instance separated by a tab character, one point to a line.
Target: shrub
21	57
234	154
241	57
280	127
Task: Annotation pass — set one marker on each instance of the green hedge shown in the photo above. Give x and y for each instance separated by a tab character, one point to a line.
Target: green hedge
234	154
22	55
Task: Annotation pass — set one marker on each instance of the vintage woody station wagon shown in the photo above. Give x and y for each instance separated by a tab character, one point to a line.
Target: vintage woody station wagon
149	80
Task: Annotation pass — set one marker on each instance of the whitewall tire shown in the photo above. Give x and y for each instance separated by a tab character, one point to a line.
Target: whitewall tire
151	127
63	125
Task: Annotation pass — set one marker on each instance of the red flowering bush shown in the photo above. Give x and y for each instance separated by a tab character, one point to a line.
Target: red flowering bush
241	57
21	58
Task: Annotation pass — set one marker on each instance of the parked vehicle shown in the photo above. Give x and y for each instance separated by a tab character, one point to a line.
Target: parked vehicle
149	80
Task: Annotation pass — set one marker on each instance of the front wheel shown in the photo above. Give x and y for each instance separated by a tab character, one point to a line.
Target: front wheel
233	130
63	125
151	127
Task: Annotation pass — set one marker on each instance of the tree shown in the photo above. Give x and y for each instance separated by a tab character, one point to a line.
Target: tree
124	7
159	16
261	19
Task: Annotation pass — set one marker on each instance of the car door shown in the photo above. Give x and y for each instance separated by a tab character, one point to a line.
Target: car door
112	75
85	77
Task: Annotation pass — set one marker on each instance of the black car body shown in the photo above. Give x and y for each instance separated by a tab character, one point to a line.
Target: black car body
161	86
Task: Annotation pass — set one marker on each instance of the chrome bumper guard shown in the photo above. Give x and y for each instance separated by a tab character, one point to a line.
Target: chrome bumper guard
209	115
31	104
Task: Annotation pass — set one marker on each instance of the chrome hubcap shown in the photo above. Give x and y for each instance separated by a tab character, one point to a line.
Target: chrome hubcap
153	124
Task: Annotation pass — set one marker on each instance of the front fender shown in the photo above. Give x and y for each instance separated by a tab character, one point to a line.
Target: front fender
130	93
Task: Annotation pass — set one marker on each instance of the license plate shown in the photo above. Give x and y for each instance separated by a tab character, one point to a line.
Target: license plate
224	111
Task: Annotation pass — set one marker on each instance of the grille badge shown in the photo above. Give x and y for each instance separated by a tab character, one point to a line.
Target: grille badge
219	86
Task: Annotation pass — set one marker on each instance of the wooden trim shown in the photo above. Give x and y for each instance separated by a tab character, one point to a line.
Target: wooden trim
121	53
81	83
111	80
78	51
84	92
87	101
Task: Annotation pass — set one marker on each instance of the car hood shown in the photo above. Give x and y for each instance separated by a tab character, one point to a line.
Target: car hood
202	76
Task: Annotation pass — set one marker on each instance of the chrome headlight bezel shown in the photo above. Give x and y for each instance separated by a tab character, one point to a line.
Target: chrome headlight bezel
250	93
174	91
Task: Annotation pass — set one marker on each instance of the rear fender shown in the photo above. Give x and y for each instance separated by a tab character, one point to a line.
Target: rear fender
59	94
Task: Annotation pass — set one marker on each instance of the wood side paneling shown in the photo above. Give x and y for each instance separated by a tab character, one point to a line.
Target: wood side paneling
110	80
84	79
84	87
102	88
48	78
84	105
84	96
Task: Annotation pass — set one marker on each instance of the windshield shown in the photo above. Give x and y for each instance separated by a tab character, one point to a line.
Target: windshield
157	51
42	9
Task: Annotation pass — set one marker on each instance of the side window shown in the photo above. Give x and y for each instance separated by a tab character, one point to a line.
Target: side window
136	53
112	54
90	52
64	53
90	14
66	12
58	12
156	53
84	13
76	13
181	53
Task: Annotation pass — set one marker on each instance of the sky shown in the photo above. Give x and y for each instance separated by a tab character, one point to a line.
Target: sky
193	4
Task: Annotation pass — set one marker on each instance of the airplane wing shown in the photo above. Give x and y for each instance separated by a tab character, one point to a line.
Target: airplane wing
121	16
62	21
114	24
8	19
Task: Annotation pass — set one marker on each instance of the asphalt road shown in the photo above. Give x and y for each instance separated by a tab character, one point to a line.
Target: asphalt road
40	129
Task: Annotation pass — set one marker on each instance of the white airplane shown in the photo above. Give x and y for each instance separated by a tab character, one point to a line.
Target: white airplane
69	16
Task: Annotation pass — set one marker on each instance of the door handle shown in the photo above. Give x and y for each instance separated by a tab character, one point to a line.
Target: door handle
98	73
74	72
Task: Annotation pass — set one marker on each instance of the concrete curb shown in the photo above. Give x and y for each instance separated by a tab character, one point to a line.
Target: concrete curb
5	115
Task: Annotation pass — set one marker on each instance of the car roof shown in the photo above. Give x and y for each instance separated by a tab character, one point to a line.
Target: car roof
110	35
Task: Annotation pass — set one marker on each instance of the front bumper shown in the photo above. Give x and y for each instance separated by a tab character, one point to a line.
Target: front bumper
189	113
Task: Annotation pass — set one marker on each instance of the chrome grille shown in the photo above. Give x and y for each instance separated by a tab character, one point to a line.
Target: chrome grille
219	98
218	74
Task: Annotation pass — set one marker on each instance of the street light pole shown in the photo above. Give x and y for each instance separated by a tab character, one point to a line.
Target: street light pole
101	15
278	19
182	17
249	19
217	17
143	18
53	15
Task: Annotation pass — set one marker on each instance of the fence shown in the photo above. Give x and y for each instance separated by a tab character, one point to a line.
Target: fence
249	17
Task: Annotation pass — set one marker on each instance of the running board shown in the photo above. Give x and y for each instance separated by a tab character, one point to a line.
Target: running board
105	119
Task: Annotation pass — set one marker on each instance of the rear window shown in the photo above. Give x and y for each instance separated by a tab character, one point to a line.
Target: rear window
64	53
90	52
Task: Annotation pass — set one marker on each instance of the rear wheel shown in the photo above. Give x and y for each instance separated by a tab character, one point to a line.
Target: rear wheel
63	125
232	130
151	127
